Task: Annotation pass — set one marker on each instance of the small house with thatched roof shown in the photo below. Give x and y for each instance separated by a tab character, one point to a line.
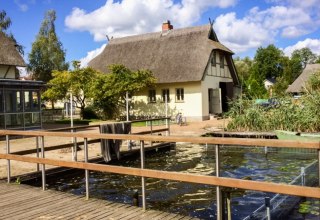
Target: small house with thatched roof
297	87
195	73
19	99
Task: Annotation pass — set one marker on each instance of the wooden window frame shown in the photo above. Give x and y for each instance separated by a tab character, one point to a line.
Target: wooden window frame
152	96
179	94
165	92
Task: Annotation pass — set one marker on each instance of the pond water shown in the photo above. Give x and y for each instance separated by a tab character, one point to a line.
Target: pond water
196	200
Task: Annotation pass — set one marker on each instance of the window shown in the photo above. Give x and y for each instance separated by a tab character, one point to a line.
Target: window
35	100
165	93
213	58
27	101
179	95
152	95
221	61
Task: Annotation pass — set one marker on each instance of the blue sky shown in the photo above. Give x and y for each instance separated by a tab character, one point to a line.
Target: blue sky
241	25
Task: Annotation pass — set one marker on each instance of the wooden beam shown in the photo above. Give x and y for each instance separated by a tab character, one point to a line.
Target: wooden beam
312	192
196	140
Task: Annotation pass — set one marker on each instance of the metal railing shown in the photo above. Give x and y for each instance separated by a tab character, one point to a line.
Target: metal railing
217	181
279	203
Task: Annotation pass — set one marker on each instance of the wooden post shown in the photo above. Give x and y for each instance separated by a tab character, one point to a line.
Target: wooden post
143	182
218	190
8	161
85	141
43	169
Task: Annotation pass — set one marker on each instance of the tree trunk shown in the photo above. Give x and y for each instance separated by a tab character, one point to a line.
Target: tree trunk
52	104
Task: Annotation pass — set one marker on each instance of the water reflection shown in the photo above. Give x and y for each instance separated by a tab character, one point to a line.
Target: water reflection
195	200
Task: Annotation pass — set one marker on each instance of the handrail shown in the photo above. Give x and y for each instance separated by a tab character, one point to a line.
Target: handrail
303	191
195	140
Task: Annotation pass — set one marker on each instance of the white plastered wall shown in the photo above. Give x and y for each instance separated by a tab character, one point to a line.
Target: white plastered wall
191	107
10	72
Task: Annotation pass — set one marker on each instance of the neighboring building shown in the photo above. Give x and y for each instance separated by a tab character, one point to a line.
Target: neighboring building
268	83
19	99
298	85
193	69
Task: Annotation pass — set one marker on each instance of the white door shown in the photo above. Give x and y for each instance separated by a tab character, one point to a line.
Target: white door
215	104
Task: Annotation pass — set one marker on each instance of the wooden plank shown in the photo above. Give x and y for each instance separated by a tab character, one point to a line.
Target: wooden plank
303	191
38	200
54	205
195	140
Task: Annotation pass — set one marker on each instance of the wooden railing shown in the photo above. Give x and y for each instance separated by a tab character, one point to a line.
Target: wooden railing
303	191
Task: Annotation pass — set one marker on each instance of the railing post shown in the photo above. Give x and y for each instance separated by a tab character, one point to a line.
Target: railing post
143	182
37	149
86	171
218	190
75	146
8	161
303	176
229	205
265	150
319	166
267	203
43	169
151	143
167	127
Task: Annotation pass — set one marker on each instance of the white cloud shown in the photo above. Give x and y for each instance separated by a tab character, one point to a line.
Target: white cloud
241	34
22	6
90	55
135	17
313	44
259	27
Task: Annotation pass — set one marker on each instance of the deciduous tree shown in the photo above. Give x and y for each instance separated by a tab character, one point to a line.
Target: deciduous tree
305	55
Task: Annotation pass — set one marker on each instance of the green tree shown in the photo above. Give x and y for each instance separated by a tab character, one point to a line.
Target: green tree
5	23
47	53
305	56
77	82
109	90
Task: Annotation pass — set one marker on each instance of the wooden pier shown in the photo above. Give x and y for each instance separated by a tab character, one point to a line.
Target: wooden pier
26	202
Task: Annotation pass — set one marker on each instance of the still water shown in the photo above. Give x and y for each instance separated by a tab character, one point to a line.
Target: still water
194	200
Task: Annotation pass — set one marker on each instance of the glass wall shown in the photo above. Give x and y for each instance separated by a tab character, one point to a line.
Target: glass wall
19	108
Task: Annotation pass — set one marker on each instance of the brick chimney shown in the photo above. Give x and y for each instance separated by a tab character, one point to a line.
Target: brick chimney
166	26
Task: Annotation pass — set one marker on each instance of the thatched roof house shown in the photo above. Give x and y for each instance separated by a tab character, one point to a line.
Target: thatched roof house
176	55
298	85
190	64
9	55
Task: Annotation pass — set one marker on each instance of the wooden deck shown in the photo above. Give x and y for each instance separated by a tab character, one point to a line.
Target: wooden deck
26	202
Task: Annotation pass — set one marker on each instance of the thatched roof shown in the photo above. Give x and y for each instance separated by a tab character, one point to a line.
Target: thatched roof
8	52
298	85
178	55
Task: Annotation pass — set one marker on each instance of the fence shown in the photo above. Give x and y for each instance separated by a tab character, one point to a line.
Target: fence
217	181
280	205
